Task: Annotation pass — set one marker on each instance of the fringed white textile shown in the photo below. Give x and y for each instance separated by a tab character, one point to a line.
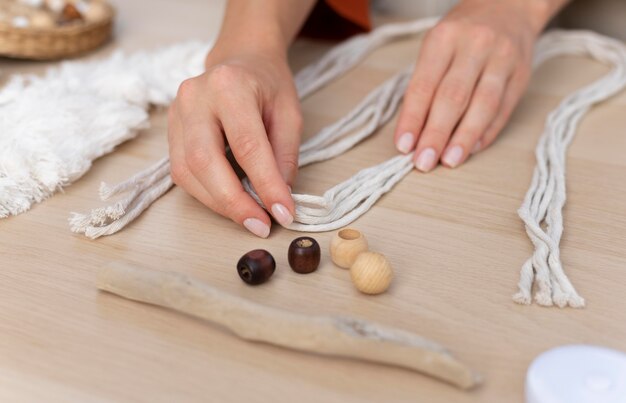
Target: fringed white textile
53	127
340	205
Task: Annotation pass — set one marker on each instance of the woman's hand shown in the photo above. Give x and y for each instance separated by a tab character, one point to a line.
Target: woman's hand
472	70
248	101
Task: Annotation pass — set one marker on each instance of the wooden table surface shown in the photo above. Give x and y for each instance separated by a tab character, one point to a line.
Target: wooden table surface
453	237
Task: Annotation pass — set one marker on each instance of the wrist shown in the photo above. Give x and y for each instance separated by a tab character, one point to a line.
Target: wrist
263	28
265	46
542	11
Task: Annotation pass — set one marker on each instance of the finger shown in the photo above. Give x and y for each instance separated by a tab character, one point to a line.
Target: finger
246	134
483	109
181	175
284	131
204	155
513	93
448	106
432	63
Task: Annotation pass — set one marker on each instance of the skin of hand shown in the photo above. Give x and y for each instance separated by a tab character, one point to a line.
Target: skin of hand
472	70
246	99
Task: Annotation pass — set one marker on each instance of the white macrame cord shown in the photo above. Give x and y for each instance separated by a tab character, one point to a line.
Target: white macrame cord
541	211
128	86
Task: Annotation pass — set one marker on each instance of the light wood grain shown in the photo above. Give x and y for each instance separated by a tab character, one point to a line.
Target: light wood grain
452	236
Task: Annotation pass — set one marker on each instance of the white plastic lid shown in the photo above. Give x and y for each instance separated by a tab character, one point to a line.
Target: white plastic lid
577	374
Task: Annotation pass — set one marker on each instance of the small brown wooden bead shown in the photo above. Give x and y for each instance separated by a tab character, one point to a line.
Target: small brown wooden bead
256	266
346	245
304	255
371	273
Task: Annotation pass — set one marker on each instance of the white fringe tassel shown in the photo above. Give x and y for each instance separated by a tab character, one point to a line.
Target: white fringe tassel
53	127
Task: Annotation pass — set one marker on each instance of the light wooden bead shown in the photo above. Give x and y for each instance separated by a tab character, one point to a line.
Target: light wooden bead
371	273
345	246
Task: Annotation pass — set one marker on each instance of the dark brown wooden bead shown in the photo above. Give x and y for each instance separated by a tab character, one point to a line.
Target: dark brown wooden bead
304	255
256	266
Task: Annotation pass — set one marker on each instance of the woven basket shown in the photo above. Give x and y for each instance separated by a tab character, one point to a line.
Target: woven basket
55	43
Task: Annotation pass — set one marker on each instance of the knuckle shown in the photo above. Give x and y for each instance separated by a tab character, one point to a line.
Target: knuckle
455	92
489	99
264	186
421	88
412	117
436	134
444	30
483	36
489	137
197	159
226	77
223	75
186	89
229	202
245	147
505	48
289	161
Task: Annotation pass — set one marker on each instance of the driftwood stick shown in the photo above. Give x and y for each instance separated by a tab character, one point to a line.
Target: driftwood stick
327	335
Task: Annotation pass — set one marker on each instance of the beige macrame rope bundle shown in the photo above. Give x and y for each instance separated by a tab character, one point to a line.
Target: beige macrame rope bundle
545	199
345	202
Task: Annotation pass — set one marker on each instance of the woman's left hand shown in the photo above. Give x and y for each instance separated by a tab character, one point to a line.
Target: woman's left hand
472	70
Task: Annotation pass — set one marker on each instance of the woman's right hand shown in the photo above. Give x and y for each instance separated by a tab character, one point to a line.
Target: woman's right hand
248	101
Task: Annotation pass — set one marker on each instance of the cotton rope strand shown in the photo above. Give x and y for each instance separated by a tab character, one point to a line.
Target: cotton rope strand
342	204
545	199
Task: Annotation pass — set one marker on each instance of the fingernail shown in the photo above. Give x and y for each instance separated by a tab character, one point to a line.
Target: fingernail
257	227
405	142
281	214
426	160
476	147
453	156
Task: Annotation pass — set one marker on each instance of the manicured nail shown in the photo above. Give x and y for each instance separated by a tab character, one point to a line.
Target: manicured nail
257	227
426	160
281	214
453	156
405	142
477	147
